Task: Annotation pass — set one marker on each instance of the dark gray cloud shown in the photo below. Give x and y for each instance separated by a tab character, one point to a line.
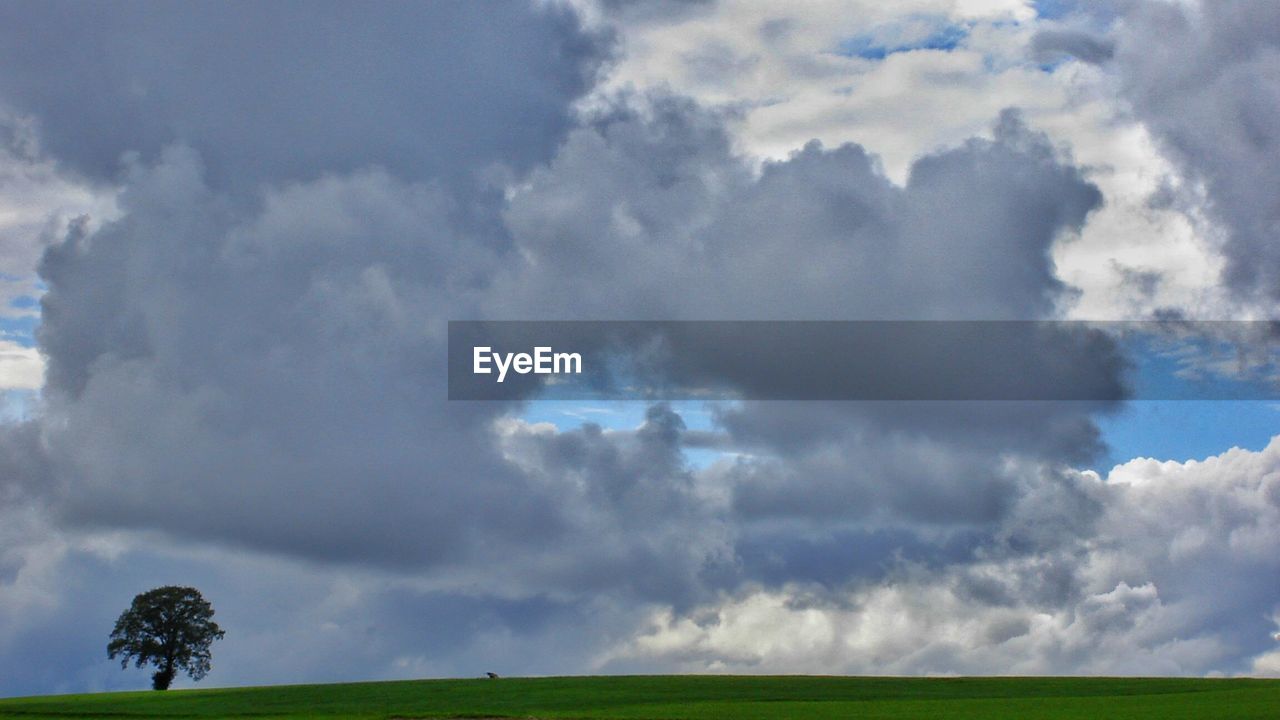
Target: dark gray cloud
645	11
797	553
302	373
292	90
1204	81
649	215
651	535
1054	44
821	235
271	375
933	463
24	465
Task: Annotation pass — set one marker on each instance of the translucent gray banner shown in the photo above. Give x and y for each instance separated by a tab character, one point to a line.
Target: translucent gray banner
862	360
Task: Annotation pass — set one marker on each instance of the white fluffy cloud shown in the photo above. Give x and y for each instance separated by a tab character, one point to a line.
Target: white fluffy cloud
781	71
1167	583
21	367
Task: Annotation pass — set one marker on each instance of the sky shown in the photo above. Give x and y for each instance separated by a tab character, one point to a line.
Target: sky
232	235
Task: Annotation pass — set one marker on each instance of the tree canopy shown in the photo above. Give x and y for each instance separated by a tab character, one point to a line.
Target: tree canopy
170	628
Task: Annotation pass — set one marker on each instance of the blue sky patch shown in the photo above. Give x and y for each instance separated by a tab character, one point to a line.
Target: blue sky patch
897	39
25	302
1186	429
1054	9
21	330
1193	416
1178	430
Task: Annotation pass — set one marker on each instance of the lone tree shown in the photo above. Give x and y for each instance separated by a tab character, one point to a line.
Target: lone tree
170	628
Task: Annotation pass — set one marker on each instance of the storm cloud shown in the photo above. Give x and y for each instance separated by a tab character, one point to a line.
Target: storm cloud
200	353
294	90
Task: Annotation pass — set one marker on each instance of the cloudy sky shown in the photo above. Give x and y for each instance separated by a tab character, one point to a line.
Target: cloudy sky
232	234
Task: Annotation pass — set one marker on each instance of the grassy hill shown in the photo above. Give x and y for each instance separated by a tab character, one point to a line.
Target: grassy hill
693	697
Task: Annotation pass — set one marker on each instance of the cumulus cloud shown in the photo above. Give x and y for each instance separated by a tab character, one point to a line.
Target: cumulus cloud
1203	78
200	354
1163	581
789	75
651	215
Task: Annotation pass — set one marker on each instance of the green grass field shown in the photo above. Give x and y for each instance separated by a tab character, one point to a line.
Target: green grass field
694	697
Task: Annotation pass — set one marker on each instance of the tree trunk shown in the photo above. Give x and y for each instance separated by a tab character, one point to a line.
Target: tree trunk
164	676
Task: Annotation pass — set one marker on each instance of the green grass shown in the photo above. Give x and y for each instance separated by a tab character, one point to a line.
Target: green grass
694	697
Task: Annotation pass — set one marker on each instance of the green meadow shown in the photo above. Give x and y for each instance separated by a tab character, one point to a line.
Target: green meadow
693	697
